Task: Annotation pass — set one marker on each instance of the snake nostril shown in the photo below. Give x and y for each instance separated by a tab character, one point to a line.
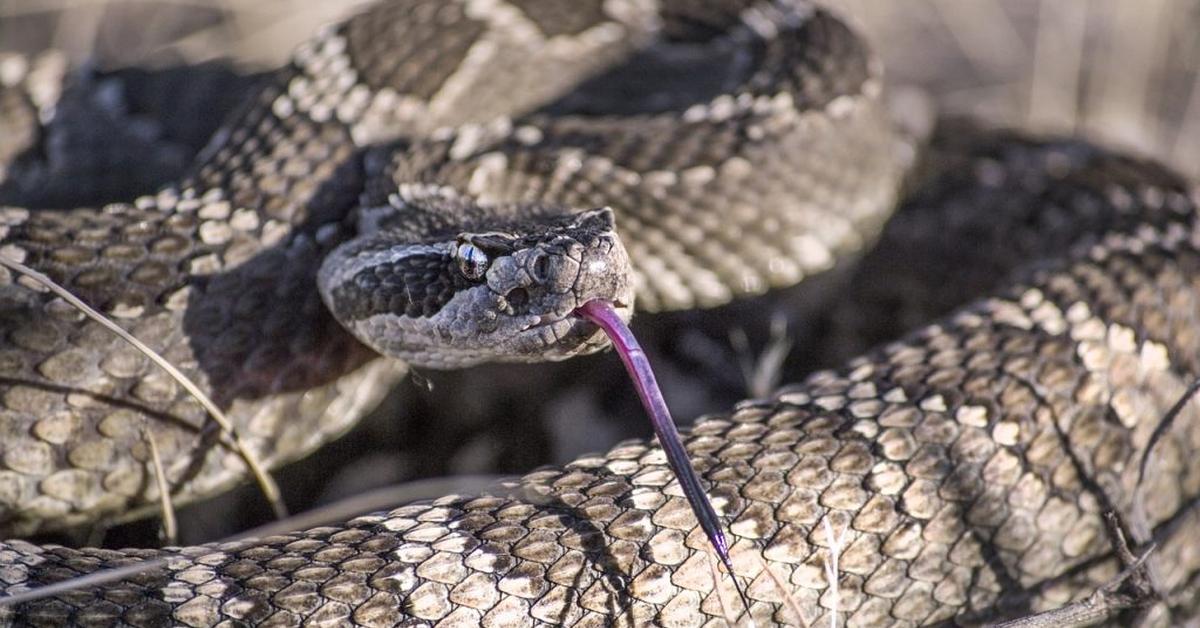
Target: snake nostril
541	268
517	297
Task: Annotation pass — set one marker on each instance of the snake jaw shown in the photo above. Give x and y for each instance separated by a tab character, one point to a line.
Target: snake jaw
624	311
569	334
556	328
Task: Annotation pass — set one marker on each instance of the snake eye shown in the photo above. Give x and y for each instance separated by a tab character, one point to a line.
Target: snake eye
472	261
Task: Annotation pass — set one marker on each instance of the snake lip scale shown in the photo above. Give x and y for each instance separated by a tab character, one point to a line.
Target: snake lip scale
577	322
444	182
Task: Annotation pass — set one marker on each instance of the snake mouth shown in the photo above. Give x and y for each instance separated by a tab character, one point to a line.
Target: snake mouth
590	332
624	309
565	335
576	320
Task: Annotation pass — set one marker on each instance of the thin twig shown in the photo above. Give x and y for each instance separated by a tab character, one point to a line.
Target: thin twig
1164	425
265	482
1103	604
1132	588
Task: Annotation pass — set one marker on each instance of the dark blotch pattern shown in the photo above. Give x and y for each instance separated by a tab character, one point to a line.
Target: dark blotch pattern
555	17
823	61
417	286
399	45
970	462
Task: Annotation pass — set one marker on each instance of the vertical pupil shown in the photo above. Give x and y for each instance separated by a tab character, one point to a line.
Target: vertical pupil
474	261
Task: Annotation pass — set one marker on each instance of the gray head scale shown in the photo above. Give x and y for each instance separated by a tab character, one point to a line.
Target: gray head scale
502	289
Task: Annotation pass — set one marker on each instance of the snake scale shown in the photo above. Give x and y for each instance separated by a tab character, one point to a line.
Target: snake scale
970	463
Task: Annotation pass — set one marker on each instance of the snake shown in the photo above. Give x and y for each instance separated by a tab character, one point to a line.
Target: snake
439	184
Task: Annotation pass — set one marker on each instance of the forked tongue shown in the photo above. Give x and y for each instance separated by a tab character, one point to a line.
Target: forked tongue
602	314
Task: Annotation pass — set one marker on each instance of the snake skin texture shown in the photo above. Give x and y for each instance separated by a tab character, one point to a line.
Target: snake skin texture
198	270
970	463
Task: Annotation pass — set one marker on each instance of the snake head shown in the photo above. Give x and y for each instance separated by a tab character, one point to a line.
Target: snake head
487	295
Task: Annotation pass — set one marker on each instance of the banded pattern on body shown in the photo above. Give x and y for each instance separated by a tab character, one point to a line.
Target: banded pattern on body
970	462
198	270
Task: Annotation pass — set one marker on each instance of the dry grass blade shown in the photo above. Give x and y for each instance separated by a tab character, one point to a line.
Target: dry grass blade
762	373
75	584
170	528
170	533
1057	66
726	609
985	34
341	510
1118	103
832	570
789	599
265	482
377	500
1186	151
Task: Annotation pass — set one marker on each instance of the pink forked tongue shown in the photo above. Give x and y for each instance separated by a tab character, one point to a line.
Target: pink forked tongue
602	314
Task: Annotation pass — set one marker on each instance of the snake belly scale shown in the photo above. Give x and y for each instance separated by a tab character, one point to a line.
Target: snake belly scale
467	152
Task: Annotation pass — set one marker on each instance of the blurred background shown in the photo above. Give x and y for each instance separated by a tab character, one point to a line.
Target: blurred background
1124	73
1121	71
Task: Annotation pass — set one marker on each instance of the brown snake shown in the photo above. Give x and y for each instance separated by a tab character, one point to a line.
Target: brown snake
970	462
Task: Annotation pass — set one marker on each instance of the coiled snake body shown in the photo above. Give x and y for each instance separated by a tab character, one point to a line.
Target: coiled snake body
744	146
